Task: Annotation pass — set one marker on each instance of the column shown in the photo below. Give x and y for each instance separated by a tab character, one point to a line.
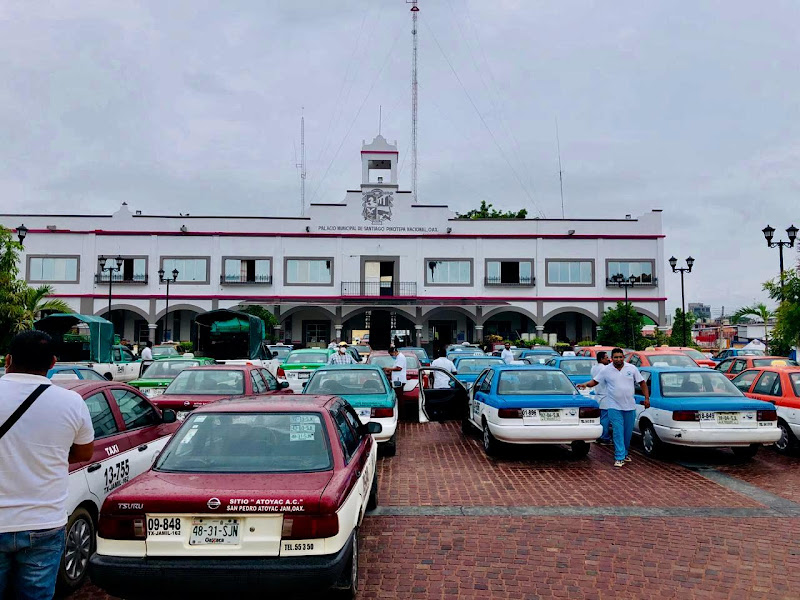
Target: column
338	328
151	333
418	334
276	331
478	334
540	331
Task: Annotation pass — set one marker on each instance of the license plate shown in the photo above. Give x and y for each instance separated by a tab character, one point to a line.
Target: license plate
214	532
528	413
163	526
728	418
549	415
303	375
364	413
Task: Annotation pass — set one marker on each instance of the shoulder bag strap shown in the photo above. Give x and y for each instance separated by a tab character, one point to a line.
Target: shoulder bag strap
15	416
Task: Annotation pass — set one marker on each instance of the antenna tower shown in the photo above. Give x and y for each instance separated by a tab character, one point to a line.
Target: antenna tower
302	165
560	172
414	12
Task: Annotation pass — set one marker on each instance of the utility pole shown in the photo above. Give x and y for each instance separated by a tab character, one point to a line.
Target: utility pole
302	165
414	12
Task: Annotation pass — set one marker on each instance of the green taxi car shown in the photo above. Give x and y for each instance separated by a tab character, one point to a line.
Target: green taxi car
368	391
300	364
161	372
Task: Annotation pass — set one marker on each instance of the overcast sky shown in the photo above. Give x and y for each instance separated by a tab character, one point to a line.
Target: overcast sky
194	107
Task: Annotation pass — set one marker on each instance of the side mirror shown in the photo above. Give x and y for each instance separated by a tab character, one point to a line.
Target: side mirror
282	385
109	376
274	355
305	383
397	384
168	416
373	427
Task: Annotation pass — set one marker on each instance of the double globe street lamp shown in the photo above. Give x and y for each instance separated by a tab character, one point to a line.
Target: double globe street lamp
161	273
687	269
111	269
769	232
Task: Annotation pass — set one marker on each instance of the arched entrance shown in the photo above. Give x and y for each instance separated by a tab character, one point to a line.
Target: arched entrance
511	324
130	323
447	325
381	326
572	325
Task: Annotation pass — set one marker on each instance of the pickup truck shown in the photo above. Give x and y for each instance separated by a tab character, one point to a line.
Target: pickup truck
124	366
235	338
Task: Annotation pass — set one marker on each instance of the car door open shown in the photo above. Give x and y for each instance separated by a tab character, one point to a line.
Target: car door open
443	397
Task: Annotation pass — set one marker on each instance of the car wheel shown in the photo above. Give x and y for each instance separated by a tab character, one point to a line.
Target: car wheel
651	444
390	447
788	442
745	452
490	444
372	501
79	547
347	585
579	448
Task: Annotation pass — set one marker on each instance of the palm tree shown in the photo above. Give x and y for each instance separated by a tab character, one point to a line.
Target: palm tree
34	301
759	312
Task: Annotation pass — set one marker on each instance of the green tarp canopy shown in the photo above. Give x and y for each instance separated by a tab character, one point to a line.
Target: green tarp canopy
101	337
228	334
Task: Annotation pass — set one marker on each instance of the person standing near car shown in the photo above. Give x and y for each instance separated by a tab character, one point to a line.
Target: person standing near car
440	380
602	361
397	372
620	379
147	353
42	429
342	356
506	354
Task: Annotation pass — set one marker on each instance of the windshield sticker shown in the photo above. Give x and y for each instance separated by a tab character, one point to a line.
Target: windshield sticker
310	428
303	419
301	437
200	419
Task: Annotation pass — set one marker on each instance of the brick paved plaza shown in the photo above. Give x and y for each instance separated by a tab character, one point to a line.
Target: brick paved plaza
535	523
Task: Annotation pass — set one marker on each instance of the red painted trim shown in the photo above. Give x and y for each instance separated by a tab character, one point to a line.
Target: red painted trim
365	299
260	234
379	152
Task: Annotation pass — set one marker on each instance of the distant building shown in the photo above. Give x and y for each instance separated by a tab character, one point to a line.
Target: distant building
700	310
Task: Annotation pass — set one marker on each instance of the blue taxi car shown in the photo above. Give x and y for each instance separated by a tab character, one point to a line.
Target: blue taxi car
516	404
695	406
73	372
577	368
469	367
367	390
540	353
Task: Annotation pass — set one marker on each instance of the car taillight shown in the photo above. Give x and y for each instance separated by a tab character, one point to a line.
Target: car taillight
281	372
307	527
122	527
588	412
509	413
685	415
767	415
381	413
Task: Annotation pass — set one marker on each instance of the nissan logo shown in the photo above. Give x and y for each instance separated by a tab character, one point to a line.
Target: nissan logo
213	503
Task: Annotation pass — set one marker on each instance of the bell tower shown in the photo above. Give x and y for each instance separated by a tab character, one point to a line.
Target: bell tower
378	164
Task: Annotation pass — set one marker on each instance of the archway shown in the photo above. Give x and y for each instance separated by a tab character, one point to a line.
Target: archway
571	325
509	323
380	327
447	325
130	323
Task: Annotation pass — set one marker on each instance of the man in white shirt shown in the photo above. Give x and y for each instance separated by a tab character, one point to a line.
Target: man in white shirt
147	353
600	393
440	380
506	354
620	379
398	371
35	452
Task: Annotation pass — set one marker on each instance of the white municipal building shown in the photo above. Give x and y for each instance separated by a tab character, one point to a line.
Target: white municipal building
375	261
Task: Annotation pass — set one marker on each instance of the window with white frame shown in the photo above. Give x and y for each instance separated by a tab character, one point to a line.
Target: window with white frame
247	270
509	272
640	270
309	271
190	270
448	272
53	268
570	272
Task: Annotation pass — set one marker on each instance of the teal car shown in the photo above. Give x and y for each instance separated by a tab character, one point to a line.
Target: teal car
367	390
469	367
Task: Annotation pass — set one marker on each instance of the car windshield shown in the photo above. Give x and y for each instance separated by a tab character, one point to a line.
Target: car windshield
692	383
248	443
91	374
165	351
346	381
695	354
418	352
671	360
307	358
774	362
535	383
384	360
476	365
168	369
363	349
751	352
795	379
577	367
209	382
281	351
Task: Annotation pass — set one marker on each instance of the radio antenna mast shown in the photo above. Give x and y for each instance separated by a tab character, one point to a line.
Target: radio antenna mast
414	12
560	172
302	165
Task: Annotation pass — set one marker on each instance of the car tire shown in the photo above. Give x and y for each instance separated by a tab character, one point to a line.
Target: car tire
372	501
652	445
745	452
788	442
390	447
490	443
580	449
346	586
79	547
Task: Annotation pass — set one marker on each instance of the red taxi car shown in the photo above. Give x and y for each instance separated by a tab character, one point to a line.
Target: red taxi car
409	395
731	367
693	353
129	432
197	386
593	350
250	495
656	358
781	386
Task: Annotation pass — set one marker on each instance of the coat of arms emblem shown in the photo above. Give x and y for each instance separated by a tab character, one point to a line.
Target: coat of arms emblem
377	206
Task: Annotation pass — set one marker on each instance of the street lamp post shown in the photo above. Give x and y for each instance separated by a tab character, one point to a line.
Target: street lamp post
161	279
111	270
687	269
22	231
626	282
791	231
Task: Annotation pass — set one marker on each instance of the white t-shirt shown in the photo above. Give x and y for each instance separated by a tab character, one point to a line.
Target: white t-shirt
600	388
34	453
440	380
147	354
400	361
620	385
507	356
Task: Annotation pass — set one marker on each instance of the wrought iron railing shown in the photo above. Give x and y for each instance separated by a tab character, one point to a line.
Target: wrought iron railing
244	280
120	278
612	283
521	282
396	289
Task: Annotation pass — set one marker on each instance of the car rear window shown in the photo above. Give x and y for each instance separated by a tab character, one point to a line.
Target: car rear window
281	351
307	358
346	381
248	443
534	383
695	354
476	365
712	383
168	369
774	362
577	367
387	361
671	360
209	382
92	375
165	351
418	352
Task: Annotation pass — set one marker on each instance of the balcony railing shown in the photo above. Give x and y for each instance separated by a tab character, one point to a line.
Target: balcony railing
653	283
244	280
498	282
120	278
392	289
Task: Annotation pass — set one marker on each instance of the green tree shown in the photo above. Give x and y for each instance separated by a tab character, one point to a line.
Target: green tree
33	302
680	324
621	326
262	313
760	312
11	288
786	332
487	211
